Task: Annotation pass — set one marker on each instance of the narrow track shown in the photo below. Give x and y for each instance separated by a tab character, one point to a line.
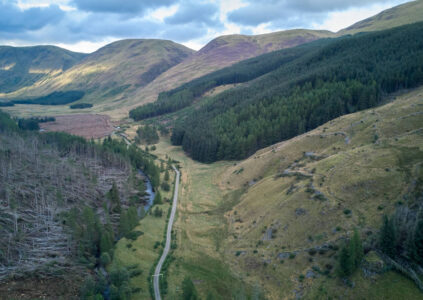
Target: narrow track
157	274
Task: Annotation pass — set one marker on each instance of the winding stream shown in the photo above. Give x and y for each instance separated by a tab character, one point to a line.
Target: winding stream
149	190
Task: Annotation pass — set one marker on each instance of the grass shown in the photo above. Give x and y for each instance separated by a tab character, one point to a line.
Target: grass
389	286
401	15
200	228
352	176
224	214
146	249
145	253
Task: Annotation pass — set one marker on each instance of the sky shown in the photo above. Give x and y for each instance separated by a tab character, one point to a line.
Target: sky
86	25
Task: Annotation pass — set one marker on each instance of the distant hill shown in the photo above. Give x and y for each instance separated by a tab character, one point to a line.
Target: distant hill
407	13
115	69
126	74
23	66
225	51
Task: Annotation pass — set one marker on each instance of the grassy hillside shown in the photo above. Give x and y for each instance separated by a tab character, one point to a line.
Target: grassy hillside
113	71
274	223
311	191
407	13
23	66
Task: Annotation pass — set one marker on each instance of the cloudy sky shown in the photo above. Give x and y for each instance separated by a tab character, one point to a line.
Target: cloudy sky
86	25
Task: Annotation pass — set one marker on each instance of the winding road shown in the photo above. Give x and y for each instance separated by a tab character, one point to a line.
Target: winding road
157	274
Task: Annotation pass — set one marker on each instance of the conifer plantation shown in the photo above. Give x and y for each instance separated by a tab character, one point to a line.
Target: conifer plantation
295	90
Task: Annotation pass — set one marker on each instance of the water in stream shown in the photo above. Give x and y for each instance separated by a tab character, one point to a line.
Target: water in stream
149	190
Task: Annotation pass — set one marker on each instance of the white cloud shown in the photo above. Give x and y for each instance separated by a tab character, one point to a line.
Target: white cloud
192	24
341	19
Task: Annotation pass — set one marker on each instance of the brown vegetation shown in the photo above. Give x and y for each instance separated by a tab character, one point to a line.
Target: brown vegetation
85	125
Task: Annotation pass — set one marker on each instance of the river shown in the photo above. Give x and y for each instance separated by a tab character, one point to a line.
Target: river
149	190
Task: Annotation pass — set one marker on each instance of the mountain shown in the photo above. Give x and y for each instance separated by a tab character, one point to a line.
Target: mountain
288	92
114	70
222	52
300	199
126	73
410	12
23	66
122	78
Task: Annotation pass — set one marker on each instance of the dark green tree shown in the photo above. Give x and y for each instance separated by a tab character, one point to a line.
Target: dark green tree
114	198
105	259
189	291
387	240
106	241
124	224
132	217
357	246
418	242
346	261
167	177
158	198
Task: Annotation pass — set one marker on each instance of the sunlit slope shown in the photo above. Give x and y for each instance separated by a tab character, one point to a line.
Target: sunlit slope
311	191
23	66
407	13
114	70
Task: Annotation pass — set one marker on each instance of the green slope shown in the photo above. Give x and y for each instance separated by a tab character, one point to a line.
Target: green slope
112	71
407	13
23	66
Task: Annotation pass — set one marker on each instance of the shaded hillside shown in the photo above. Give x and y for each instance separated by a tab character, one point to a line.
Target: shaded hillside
301	198
328	80
23	66
407	13
114	70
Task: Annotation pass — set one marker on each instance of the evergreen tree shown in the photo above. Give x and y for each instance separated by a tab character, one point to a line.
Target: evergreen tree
188	290
157	198
124	224
105	259
106	241
357	248
132	217
418	243
167	177
346	261
387	237
114	198
158	213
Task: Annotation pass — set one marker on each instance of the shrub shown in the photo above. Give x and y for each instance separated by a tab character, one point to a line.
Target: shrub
312	252
80	106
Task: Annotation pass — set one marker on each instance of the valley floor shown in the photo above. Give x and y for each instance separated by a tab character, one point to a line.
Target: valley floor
247	228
